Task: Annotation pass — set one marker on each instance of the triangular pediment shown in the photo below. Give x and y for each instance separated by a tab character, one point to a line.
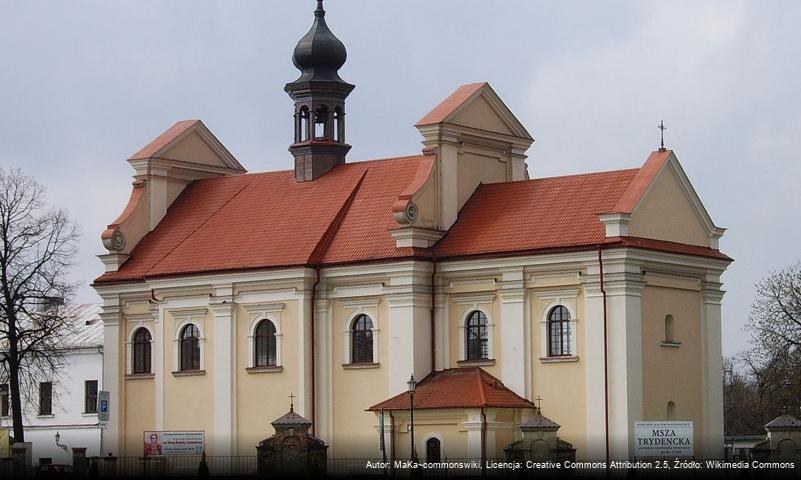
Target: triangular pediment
669	208
189	142
476	106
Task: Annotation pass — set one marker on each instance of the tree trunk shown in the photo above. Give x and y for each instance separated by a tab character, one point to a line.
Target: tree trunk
16	402
13	375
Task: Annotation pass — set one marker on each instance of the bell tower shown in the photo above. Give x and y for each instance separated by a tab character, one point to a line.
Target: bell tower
319	94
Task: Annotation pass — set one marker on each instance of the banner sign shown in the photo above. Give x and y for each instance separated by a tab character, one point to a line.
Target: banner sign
4	449
174	443
663	439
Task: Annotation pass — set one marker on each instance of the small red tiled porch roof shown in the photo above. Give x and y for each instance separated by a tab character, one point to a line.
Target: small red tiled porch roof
457	388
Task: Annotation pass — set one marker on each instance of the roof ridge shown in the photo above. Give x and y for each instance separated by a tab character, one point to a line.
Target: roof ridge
586	174
213	214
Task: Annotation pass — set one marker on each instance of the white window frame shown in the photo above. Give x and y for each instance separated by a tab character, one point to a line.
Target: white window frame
182	318
569	300
360	306
257	313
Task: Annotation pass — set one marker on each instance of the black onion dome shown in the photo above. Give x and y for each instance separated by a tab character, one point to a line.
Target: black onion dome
319	54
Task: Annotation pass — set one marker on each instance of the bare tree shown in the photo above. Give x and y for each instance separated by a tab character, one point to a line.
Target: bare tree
775	320
773	363
37	248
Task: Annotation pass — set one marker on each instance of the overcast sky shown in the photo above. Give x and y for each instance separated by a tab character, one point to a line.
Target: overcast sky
83	84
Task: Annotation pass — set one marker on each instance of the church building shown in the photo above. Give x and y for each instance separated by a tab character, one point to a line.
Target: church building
597	295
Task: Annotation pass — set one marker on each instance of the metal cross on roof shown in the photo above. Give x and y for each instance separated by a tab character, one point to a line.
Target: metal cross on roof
539	403
662	129
291	402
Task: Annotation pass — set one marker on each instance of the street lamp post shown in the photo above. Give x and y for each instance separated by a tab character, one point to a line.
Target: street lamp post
412	383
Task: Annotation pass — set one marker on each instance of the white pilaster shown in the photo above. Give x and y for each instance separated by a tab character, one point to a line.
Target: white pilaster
593	335
442	332
409	339
512	332
712	369
304	346
473	426
623	287
624	309
324	333
112	379
158	342
224	364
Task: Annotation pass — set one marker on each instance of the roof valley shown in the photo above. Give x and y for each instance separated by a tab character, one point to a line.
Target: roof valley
327	237
198	227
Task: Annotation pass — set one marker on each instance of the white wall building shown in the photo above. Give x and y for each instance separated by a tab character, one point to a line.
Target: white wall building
72	409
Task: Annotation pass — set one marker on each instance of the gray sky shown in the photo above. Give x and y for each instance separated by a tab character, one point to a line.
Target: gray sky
83	84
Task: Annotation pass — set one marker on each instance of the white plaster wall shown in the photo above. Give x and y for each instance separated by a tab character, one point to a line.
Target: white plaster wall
77	429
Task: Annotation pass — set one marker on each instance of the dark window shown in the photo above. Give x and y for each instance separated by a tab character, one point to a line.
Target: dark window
190	348
141	351
4	396
559	332
433	450
362	340
265	344
303	125
477	336
45	398
90	396
45	461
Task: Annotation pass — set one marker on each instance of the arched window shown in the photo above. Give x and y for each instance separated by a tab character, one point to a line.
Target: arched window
670	332
141	351
190	348
303	124
321	123
362	340
477	336
670	411
433	450
559	332
265	345
339	125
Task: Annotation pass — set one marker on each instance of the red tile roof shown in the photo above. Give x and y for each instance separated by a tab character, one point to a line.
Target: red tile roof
268	220
640	183
537	214
457	388
450	104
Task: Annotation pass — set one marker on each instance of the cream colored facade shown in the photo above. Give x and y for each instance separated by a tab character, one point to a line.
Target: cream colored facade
480	142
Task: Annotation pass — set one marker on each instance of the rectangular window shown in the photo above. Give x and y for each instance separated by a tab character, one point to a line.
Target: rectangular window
4	399
45	398
90	396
